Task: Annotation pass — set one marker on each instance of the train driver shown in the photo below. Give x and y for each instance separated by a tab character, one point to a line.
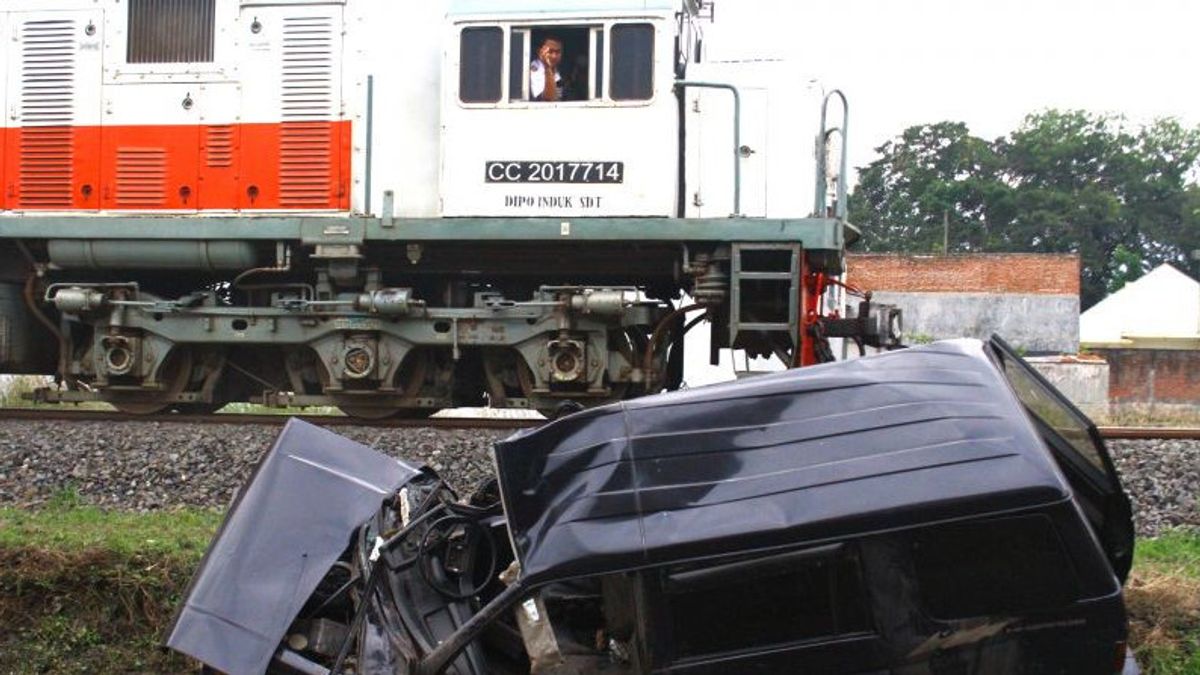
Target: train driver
545	82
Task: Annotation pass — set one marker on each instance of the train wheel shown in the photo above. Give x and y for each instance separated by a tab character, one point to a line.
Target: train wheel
175	374
410	380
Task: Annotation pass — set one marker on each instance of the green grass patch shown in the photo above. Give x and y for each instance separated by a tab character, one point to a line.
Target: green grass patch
1163	598
88	591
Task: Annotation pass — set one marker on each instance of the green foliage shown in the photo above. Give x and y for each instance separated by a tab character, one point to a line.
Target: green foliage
1124	199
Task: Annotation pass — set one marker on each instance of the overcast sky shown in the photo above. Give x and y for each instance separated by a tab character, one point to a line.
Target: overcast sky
987	63
984	62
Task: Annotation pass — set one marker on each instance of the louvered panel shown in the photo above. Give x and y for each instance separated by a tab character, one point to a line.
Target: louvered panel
170	31
141	177
308	103
305	164
218	145
46	111
308	68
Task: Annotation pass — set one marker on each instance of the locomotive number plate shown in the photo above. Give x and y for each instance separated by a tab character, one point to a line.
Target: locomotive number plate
554	172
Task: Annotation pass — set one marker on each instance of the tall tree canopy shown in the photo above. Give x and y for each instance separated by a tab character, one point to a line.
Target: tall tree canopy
1124	199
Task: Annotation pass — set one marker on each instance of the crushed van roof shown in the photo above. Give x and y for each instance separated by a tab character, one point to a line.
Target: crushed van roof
918	435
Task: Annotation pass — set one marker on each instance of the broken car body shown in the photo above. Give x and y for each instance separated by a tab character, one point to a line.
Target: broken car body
937	509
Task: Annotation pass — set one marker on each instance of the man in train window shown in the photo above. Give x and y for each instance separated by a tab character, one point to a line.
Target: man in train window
545	82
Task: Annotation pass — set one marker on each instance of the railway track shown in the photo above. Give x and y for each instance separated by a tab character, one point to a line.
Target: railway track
72	415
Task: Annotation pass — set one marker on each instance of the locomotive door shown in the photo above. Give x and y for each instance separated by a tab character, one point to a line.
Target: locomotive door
295	142
709	167
53	76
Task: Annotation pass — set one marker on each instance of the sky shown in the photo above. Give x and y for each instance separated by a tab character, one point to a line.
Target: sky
985	63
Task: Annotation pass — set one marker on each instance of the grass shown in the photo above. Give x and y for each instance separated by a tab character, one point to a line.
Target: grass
1163	599
1148	416
88	591
83	590
15	388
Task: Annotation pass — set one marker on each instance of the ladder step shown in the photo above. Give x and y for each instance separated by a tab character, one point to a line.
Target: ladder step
766	326
780	276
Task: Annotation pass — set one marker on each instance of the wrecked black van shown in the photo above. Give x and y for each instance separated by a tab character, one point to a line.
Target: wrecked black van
940	509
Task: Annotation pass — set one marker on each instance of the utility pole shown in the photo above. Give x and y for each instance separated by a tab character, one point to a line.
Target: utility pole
945	232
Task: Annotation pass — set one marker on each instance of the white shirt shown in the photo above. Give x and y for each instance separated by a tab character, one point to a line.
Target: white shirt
537	80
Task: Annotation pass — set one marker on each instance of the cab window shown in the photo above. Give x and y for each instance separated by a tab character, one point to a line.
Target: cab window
480	65
557	63
632	62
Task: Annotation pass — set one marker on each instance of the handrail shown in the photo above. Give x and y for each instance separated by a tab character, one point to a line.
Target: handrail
737	135
822	159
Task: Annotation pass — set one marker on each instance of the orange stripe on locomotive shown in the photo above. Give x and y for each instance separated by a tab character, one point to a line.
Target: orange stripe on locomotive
271	166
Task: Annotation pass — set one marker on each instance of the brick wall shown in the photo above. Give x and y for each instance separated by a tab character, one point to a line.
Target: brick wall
1029	299
1170	376
1025	273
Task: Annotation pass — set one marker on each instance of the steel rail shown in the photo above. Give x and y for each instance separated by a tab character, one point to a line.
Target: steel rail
1150	433
64	414
74	415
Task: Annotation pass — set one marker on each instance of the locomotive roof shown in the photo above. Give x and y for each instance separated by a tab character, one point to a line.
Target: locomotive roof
558	7
909	437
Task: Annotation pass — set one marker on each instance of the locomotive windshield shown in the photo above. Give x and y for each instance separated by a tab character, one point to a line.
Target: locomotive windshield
559	63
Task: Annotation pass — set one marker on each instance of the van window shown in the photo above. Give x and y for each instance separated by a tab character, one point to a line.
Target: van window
1049	408
993	566
765	601
632	62
170	31
480	65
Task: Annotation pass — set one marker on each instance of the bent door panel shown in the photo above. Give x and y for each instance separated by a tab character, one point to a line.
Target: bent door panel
1081	455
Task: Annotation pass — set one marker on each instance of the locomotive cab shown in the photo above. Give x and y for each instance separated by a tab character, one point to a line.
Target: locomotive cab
598	137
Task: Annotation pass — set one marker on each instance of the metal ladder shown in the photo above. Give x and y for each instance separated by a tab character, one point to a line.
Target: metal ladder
738	273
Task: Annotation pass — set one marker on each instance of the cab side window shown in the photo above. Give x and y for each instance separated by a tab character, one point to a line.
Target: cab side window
558	63
480	59
632	62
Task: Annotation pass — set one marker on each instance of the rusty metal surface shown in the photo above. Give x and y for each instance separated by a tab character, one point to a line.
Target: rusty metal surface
1150	433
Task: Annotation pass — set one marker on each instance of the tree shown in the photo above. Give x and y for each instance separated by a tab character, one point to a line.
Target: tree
930	174
1068	181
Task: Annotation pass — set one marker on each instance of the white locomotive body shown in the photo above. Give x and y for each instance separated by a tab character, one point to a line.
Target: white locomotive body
387	205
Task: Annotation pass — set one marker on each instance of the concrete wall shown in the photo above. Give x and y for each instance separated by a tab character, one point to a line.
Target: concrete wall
1085	383
1031	300
1036	323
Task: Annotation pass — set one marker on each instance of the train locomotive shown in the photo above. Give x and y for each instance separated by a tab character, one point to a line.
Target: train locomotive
392	207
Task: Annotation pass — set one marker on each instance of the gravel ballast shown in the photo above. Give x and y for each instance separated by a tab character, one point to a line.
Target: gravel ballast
156	465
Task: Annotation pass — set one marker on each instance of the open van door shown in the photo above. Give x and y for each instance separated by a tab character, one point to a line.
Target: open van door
1080	453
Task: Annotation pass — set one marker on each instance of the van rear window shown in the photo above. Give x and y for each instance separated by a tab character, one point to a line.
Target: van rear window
993	566
759	602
